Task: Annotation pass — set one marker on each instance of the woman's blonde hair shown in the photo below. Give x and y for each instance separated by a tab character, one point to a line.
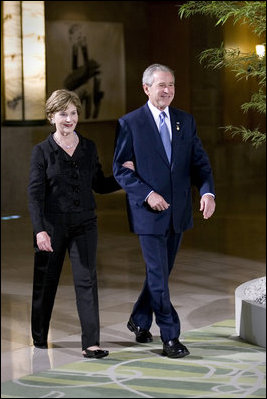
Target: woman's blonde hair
60	100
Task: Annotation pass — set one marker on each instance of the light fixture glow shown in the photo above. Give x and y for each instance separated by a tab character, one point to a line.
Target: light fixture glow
24	61
260	50
10	217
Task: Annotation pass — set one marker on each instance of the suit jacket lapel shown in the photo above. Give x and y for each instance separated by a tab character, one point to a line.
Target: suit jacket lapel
155	136
177	133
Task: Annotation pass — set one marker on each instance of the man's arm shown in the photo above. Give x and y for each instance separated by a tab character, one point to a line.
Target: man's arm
128	178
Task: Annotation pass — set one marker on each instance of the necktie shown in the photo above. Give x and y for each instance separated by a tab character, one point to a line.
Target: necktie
165	135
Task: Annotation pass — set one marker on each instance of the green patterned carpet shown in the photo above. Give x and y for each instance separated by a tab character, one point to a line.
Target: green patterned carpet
220	366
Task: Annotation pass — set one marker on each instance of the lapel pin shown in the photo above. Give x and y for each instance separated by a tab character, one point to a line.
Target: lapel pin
178	126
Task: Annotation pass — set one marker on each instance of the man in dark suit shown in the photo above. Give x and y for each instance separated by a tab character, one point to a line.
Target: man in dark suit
167	158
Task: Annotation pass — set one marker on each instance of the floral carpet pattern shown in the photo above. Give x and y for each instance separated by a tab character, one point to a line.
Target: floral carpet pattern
220	365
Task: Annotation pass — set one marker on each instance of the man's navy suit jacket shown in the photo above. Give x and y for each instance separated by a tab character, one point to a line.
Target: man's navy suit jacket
138	140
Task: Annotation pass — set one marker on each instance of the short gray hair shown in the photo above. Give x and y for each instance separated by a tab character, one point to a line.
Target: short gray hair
148	77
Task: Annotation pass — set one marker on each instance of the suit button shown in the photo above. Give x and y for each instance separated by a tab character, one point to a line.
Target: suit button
75	175
76	202
76	189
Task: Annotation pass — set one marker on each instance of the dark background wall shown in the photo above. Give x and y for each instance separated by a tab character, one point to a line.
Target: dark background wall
153	32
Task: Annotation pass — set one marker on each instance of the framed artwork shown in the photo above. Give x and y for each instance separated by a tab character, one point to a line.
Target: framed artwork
88	58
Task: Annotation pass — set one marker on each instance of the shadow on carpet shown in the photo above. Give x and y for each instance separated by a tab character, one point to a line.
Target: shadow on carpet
220	366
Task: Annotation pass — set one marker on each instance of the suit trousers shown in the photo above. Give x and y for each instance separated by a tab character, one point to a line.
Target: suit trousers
159	253
76	233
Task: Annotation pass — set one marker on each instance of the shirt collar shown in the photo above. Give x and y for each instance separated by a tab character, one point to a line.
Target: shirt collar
52	141
155	111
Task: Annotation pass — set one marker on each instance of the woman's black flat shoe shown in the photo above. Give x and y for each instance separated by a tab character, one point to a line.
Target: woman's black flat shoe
97	354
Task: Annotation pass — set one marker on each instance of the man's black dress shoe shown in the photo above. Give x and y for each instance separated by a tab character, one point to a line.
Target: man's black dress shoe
142	335
174	349
97	354
40	345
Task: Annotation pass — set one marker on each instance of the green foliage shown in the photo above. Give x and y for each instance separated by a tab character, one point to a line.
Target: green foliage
252	13
243	65
255	135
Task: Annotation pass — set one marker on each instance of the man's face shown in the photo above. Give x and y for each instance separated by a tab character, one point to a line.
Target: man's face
161	93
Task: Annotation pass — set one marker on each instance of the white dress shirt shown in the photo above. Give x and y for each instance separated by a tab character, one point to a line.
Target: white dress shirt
156	112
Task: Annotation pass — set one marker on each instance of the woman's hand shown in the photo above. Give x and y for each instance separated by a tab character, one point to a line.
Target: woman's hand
44	241
129	165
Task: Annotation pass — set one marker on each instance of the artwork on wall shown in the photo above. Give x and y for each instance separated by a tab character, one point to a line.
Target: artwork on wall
88	58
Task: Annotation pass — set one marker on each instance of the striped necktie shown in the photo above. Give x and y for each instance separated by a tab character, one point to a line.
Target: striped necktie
165	135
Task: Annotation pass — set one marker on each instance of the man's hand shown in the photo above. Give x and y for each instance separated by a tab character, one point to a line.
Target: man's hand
157	202
207	205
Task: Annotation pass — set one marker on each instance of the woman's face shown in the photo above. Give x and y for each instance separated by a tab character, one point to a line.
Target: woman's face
66	120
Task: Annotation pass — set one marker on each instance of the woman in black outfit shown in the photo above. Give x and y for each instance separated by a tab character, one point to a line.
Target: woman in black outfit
64	172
